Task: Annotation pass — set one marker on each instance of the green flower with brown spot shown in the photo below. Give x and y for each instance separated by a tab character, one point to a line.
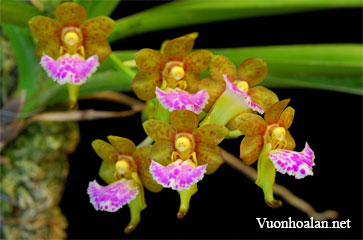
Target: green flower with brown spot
171	68
182	153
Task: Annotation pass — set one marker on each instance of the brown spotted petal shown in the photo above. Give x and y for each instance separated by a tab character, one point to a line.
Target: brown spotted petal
184	120
141	158
161	152
197	61
250	124
263	97
214	88
122	145
70	14
98	27
149	60
252	70
273	114
192	80
49	47
100	47
45	27
178	48
159	131
287	117
210	134
105	150
250	148
144	84
209	155
221	65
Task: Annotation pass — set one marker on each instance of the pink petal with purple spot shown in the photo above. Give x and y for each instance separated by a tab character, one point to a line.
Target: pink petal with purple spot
298	164
112	197
177	175
242	95
173	99
71	69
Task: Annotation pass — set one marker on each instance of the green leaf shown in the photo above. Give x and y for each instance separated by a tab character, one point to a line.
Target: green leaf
30	72
187	12
115	81
97	8
336	67
17	12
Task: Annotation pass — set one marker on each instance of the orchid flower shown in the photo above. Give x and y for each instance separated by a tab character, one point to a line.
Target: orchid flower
183	153
250	73
125	169
229	104
70	47
173	68
270	141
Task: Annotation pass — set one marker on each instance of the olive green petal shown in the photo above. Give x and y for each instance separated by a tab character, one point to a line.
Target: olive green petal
210	155
287	117
249	124
159	131
98	27
161	152
192	80
149	60
105	150
100	47
45	27
250	149
122	145
198	61
178	48
221	65
70	14
141	158
210	134
263	97
184	120
144	84
51	47
252	70
272	115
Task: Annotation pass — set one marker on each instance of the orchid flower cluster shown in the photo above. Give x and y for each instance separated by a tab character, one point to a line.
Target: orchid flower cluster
190	114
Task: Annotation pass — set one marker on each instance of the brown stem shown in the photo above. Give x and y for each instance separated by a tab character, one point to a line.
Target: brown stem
119	98
280	190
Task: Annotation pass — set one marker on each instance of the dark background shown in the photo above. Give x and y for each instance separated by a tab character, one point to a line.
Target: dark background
227	203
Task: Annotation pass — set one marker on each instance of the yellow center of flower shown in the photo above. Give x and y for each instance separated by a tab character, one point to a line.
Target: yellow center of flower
177	72
122	166
242	85
182	144
71	38
278	133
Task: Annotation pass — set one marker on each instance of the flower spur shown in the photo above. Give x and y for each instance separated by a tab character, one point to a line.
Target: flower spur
182	153
125	169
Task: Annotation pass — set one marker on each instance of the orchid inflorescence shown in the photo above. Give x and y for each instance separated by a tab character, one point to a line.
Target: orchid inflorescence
191	115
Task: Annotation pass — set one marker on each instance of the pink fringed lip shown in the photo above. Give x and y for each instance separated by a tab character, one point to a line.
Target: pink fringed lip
112	197
298	164
177	175
173	99
71	69
242	95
